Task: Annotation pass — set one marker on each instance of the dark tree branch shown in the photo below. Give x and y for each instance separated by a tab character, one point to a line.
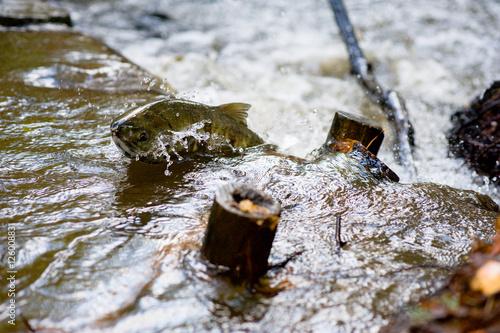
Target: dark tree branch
390	101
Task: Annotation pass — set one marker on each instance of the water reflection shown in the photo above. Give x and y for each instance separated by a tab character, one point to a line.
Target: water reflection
109	244
377	271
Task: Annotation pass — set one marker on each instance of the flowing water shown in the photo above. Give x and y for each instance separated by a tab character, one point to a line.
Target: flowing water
104	243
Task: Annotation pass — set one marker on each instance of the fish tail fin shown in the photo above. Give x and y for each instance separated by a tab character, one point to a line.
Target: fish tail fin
237	111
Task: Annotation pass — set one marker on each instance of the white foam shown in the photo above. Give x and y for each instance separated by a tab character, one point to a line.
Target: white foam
287	60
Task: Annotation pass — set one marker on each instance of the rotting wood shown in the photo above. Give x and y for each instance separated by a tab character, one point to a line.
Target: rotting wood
372	164
348	126
240	231
366	159
391	103
361	138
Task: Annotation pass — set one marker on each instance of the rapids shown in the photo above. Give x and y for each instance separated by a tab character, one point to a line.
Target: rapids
105	243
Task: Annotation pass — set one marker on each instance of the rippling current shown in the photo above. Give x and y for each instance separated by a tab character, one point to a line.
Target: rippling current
104	243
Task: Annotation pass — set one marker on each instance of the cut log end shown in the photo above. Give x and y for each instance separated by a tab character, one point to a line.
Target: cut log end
240	231
346	126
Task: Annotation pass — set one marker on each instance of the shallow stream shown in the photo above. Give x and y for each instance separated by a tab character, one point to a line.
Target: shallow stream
104	243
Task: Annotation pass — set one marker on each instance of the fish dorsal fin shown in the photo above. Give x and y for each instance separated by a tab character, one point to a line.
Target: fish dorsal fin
237	111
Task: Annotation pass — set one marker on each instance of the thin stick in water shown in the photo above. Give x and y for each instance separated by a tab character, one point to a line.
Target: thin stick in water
338	238
391	103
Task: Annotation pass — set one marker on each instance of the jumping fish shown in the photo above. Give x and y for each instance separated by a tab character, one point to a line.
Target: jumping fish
170	127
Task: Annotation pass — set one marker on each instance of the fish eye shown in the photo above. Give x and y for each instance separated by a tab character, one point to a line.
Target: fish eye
143	136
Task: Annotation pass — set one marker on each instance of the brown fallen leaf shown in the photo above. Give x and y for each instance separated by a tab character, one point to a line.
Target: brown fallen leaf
487	278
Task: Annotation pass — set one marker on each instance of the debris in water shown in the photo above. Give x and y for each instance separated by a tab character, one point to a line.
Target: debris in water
348	126
476	133
471	300
361	138
338	237
391	103
241	231
365	158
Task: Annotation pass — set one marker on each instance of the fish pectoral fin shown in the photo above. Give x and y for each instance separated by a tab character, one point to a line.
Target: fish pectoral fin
237	111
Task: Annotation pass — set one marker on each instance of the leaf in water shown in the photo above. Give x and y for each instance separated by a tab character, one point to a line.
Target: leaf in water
487	278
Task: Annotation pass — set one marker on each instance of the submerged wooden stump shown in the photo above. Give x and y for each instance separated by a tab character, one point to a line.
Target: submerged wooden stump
349	126
361	138
241	231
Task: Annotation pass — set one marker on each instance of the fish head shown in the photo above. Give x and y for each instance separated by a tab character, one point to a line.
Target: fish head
137	134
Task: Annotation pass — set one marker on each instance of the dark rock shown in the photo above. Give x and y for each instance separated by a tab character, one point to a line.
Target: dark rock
23	12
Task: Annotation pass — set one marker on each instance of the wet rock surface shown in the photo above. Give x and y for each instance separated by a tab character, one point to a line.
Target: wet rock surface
471	299
106	243
68	60
24	12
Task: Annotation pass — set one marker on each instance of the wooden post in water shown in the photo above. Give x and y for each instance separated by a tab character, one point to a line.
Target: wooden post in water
241	231
349	126
351	133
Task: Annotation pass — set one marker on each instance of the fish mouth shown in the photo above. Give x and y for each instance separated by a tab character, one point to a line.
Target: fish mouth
125	146
130	150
